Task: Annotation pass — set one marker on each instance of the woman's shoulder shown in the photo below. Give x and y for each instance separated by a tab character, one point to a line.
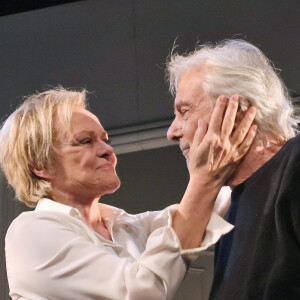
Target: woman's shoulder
35	224
24	220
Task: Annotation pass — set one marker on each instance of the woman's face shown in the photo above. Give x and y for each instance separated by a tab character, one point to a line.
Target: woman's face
85	165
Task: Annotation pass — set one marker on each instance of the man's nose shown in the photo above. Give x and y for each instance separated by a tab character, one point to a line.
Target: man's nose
174	132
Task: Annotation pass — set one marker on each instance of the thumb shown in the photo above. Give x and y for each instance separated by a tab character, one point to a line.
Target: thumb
200	132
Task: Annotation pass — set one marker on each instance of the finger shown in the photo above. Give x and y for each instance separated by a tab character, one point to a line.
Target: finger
216	119
229	118
247	142
200	132
243	128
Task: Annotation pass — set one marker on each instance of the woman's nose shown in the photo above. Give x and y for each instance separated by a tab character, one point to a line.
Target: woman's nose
104	149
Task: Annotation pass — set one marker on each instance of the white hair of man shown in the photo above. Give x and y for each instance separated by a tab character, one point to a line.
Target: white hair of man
238	67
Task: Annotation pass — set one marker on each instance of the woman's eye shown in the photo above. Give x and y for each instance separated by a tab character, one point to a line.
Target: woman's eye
107	141
85	141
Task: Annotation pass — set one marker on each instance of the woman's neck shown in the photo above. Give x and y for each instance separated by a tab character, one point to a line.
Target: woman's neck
89	209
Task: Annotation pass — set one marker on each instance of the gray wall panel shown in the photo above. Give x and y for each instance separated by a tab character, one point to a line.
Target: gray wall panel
116	49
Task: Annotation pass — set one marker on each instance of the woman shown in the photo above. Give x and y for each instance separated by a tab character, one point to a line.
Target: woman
56	156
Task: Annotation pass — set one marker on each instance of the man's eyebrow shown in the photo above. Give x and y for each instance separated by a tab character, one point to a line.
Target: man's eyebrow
181	103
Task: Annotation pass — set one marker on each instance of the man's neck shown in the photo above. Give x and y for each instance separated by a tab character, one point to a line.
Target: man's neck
254	159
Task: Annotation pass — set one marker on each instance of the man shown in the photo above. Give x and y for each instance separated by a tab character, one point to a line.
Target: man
260	257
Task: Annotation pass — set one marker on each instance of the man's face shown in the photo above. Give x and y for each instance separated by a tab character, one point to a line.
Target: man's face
190	105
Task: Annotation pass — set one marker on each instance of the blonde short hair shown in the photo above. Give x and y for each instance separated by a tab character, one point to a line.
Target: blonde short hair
238	67
26	140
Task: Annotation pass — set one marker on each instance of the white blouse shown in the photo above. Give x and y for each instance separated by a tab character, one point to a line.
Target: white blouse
52	254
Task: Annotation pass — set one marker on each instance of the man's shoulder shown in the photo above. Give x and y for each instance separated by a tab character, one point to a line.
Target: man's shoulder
291	151
293	160
283	163
294	144
288	151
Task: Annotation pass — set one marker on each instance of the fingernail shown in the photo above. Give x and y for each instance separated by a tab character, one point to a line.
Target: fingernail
235	98
252	110
222	98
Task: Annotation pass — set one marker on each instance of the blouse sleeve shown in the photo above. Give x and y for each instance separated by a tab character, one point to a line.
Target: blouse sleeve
48	259
216	227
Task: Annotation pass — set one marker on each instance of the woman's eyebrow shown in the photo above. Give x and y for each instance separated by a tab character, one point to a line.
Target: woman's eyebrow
104	134
78	133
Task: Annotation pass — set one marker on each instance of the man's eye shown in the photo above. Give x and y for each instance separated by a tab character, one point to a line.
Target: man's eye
183	111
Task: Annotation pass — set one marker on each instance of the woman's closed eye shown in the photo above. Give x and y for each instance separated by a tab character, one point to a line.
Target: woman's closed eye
85	141
107	141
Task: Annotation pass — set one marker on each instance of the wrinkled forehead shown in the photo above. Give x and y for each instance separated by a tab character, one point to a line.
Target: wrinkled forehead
81	120
195	74
81	117
190	86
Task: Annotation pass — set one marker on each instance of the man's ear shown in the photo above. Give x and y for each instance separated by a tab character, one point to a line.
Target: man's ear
44	174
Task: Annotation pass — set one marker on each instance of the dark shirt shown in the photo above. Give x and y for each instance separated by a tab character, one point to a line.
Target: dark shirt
260	257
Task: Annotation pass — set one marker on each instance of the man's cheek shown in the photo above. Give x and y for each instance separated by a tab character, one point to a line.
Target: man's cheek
189	129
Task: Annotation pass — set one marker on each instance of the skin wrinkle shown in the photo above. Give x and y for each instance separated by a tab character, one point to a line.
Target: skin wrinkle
190	92
79	176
